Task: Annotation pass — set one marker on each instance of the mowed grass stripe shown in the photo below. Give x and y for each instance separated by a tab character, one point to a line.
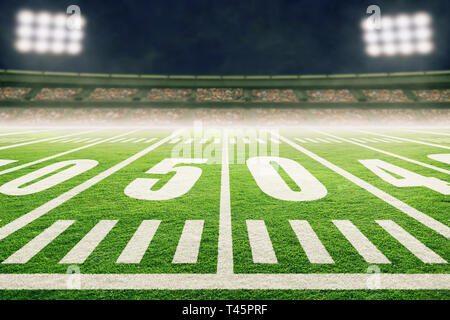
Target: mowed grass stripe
33	247
386	152
416	247
396	203
61	154
54	203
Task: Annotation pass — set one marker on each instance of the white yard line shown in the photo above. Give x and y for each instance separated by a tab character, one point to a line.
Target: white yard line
311	140
138	245
225	246
274	140
54	203
87	245
61	154
301	140
359	241
139	140
20	132
323	140
396	203
173	141
320	281
311	244
405	139
189	243
150	140
426	165
32	248
428	132
425	254
260	244
46	139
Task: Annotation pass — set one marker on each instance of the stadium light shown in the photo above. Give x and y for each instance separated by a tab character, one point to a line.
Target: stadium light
46	33
398	35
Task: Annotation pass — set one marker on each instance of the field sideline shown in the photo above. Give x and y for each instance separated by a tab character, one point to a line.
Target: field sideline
202	213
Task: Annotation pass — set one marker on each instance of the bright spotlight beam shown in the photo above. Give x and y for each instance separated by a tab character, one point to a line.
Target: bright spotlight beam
399	35
47	33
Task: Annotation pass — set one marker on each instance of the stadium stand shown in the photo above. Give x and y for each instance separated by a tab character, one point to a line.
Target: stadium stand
32	97
274	95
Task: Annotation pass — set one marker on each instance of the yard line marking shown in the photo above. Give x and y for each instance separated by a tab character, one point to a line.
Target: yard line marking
92	140
232	141
378	140
189	243
416	247
21	132
128	140
274	140
393	140
32	248
188	141
138	245
396	203
311	244
260	141
203	141
139	140
83	139
87	245
369	140
245	140
46	139
261	246
142	281
365	248
150	140
334	140
357	140
216	140
117	140
323	140
426	165
225	242
445	157
405	139
428	132
312	140
61	154
70	140
54	203
173	141
301	140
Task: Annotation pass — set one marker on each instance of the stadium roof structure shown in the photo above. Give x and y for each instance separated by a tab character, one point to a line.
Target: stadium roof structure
299	84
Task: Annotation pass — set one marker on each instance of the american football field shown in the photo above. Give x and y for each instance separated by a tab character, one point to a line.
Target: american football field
211	213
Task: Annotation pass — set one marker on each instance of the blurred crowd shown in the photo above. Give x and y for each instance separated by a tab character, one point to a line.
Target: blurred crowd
112	94
220	116
330	96
225	116
221	94
433	95
57	93
226	95
7	93
169	94
384	95
274	95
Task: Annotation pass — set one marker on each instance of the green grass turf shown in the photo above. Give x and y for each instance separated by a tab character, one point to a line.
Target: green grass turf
344	200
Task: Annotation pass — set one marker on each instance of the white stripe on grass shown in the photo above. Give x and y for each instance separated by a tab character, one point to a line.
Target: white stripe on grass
416	247
225	243
20	132
87	245
311	244
359	241
396	203
426	165
138	244
61	154
56	202
405	139
428	132
32	248
46	139
260	244
189	243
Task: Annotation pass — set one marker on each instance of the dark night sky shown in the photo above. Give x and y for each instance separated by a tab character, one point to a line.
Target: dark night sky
225	37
